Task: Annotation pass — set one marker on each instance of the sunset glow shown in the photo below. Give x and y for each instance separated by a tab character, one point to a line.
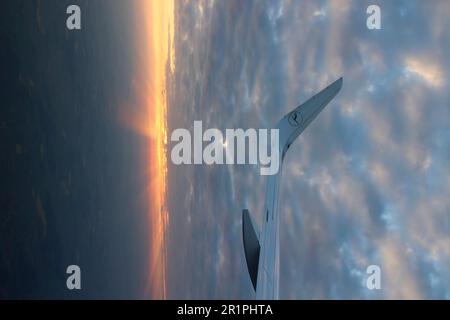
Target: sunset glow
155	25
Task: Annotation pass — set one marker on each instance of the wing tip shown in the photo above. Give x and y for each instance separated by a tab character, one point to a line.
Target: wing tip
340	82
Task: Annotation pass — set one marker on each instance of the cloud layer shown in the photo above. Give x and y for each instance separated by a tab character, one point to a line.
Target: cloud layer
367	183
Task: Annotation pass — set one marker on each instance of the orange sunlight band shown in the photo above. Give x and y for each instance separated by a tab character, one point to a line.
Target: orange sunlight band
156	32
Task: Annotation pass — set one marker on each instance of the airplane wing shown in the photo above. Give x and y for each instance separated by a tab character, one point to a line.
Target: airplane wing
293	124
262	255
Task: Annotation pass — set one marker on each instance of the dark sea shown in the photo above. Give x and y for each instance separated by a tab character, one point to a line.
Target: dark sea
71	183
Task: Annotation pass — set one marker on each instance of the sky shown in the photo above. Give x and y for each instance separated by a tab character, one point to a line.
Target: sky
367	183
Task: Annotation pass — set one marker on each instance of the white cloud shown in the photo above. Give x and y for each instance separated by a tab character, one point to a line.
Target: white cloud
425	68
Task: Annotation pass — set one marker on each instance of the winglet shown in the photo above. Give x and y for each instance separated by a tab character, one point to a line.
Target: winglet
293	123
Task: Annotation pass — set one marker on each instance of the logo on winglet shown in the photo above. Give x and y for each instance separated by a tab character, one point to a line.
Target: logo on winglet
295	118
